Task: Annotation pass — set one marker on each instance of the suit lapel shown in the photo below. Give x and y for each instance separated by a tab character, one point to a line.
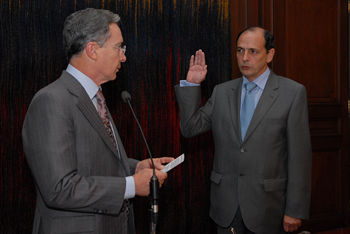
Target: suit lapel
87	108
122	152
235	106
267	98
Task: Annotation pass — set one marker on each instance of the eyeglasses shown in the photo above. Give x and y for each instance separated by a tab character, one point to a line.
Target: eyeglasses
122	50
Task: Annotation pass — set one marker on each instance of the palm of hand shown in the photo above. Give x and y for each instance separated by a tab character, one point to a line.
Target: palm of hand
196	74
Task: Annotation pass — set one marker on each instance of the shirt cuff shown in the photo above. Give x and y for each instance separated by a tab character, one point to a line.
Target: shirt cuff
185	83
130	187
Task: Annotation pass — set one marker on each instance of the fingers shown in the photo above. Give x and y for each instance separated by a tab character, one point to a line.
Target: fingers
165	159
203	60
146	163
291	224
161	177
192	61
290	228
200	58
143	178
158	162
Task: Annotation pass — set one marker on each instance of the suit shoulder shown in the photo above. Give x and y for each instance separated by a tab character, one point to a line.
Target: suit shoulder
288	85
289	82
55	92
229	84
56	88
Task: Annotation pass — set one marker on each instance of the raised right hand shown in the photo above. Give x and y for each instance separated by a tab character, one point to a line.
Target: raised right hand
198	69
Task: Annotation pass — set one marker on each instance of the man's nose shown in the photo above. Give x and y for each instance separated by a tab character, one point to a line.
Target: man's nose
245	56
123	59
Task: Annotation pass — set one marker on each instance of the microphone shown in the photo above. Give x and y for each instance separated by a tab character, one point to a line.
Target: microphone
127	98
154	183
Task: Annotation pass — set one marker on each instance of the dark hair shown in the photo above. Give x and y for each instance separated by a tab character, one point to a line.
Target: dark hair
85	26
269	38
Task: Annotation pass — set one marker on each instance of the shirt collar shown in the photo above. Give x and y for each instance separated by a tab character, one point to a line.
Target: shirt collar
261	80
89	85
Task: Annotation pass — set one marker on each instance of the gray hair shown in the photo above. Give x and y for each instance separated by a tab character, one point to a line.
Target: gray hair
85	26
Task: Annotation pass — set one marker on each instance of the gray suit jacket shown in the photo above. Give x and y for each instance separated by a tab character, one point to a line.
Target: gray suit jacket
268	174
79	177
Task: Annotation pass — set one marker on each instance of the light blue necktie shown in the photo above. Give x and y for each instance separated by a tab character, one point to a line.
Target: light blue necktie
248	107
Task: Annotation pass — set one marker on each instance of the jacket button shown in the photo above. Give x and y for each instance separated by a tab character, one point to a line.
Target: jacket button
242	150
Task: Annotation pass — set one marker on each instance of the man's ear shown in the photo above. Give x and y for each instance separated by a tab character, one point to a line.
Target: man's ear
91	50
270	55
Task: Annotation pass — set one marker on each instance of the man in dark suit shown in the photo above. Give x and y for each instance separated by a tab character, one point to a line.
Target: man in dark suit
261	177
84	179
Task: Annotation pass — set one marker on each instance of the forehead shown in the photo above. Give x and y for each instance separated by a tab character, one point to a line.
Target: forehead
252	39
115	34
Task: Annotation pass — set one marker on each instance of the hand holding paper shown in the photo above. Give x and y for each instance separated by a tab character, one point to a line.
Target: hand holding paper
174	163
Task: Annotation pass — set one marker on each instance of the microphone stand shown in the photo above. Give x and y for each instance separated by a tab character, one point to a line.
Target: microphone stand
153	199
154	183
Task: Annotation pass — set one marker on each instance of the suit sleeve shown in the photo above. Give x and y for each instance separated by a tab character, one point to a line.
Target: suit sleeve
194	119
299	158
133	163
49	144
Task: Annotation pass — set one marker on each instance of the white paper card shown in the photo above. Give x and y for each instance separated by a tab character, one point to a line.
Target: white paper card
174	163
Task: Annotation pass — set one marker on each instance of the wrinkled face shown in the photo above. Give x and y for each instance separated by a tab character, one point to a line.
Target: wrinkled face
252	56
111	56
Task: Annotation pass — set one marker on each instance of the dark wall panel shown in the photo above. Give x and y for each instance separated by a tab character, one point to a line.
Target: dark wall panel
312	48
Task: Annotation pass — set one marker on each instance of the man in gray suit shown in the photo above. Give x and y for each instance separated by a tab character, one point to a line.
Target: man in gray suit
84	180
261	177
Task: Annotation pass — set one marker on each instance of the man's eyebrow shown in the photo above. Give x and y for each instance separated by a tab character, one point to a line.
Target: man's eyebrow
252	48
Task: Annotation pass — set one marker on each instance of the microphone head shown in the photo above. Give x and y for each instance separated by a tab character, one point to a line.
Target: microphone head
126	96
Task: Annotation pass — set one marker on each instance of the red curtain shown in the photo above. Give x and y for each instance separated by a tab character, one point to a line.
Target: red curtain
160	37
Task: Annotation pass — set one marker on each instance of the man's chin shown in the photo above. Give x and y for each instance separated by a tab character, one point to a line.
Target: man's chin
245	73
